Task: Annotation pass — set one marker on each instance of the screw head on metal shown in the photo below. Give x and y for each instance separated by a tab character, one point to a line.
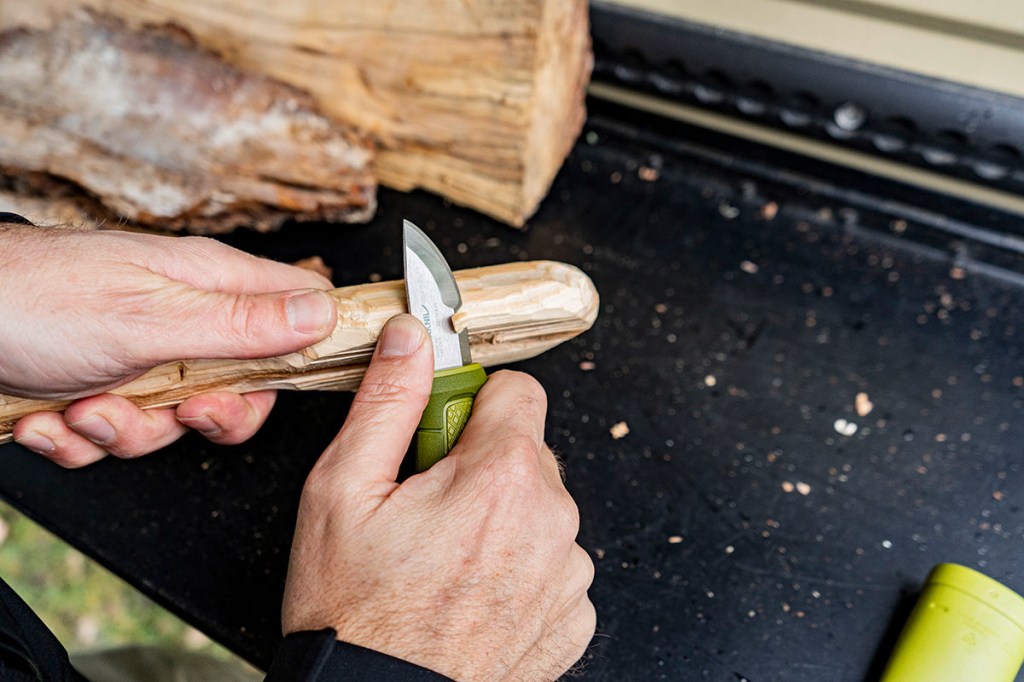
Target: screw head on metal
849	116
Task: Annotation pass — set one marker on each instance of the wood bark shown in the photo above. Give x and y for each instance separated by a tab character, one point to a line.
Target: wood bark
512	311
162	133
477	100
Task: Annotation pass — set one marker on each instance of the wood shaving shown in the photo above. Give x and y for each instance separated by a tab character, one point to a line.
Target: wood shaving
863	405
459	320
619	430
769	210
648	174
315	264
844	428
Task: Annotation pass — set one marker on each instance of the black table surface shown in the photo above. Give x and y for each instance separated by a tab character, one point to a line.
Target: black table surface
747	297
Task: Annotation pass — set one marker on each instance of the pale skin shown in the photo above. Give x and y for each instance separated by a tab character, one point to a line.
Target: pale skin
470	569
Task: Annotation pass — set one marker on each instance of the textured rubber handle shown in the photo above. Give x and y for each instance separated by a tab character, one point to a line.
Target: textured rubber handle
446	414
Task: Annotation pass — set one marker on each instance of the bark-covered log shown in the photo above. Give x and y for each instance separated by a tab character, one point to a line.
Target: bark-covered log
477	100
160	132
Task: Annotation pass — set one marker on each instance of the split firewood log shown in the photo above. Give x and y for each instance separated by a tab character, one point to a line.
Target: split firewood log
476	100
162	133
512	311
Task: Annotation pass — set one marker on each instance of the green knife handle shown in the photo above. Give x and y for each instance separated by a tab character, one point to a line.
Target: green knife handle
446	414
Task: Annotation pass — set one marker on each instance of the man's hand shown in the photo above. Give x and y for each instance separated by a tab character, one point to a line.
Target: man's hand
83	312
470	568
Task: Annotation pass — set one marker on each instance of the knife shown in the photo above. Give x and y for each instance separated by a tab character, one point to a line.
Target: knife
433	299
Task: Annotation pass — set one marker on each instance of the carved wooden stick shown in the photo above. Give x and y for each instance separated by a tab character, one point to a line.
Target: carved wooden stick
513	311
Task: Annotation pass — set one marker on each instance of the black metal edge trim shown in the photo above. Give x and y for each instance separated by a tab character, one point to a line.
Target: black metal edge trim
950	128
974	237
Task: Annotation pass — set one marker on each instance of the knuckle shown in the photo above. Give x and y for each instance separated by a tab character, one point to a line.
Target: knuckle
586	623
534	393
529	391
514	467
197	244
382	390
71	458
319	486
325	488
570	516
124	448
244	318
586	569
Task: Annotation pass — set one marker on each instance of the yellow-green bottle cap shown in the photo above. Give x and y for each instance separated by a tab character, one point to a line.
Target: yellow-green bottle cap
965	626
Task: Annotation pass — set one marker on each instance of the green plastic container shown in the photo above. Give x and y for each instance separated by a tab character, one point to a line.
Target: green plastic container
966	627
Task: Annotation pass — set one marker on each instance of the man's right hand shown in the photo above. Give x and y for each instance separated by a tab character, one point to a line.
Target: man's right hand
471	568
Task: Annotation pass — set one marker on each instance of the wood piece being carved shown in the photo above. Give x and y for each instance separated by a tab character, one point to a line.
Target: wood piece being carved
477	100
513	312
163	133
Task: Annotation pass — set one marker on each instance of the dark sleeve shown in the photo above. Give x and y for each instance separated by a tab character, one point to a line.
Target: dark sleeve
318	657
13	219
28	650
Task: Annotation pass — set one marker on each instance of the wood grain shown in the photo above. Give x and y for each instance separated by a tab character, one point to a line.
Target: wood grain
160	132
512	311
477	100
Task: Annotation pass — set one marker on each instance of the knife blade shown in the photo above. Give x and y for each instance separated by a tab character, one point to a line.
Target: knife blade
433	298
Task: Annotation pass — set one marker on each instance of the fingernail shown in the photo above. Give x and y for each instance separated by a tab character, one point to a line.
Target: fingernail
401	336
309	312
37	443
203	424
95	428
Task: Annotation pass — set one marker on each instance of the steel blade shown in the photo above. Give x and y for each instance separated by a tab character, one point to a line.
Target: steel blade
433	297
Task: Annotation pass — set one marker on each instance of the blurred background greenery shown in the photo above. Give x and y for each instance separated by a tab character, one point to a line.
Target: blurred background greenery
84	604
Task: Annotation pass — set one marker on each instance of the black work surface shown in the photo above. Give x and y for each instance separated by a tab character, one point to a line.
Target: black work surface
747	298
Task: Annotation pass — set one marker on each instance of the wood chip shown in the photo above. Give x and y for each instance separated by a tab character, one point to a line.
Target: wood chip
648	174
844	427
863	405
619	430
458	320
315	264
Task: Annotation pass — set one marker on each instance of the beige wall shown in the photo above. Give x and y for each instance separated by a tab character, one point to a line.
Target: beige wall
979	42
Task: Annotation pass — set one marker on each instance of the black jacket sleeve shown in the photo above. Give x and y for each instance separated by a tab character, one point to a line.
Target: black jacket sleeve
319	657
30	653
28	650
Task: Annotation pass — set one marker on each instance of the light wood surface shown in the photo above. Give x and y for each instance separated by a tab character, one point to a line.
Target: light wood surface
512	311
161	133
477	100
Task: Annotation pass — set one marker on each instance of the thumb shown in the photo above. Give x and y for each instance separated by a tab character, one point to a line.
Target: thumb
386	409
190	323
